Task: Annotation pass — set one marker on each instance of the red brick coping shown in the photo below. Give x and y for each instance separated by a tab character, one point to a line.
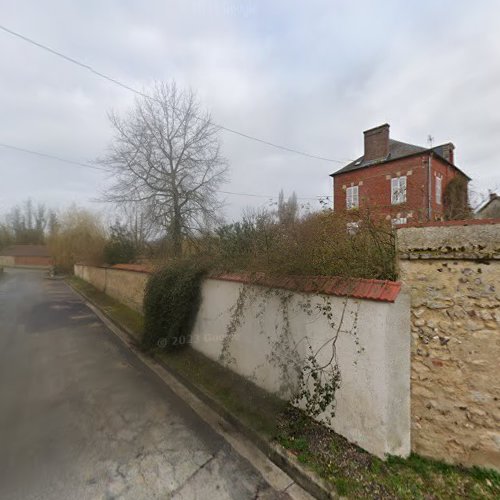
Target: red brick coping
359	288
139	268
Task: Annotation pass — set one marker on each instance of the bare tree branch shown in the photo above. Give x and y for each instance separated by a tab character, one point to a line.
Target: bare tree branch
166	157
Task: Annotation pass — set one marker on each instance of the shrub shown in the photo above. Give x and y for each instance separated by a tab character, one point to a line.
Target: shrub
79	236
171	302
120	248
317	244
455	199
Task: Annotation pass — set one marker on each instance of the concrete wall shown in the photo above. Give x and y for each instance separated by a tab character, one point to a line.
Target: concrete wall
453	275
451	271
373	351
125	286
7	260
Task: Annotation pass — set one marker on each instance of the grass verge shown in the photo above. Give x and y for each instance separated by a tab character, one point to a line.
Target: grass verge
352	471
357	474
124	316
253	406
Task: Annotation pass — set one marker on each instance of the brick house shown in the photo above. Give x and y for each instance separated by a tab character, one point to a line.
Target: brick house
26	256
397	181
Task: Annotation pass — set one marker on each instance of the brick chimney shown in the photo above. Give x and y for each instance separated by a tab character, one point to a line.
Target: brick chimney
448	152
376	143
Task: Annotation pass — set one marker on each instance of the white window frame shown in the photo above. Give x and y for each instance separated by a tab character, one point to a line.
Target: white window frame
352	197
439	189
398	221
398	190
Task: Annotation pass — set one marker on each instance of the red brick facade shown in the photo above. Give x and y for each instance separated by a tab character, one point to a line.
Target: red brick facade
35	261
374	183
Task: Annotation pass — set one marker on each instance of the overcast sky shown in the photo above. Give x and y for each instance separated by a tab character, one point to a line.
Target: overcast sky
310	75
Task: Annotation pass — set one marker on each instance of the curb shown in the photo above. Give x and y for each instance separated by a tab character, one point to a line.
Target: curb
130	334
285	460
281	457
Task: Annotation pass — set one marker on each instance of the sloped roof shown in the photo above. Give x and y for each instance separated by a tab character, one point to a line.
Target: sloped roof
397	149
493	198
26	251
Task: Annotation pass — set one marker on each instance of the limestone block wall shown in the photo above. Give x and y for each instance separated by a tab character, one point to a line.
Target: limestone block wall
452	273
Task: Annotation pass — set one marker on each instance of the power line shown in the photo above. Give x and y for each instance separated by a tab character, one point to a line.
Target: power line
52	157
142	94
88	165
315	198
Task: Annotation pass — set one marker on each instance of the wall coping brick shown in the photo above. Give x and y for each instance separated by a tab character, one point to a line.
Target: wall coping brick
359	288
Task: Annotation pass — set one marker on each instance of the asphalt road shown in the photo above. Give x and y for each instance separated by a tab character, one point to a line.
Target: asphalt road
82	418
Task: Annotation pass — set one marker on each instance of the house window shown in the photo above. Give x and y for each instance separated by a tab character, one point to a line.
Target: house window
399	220
439	182
352	197
398	190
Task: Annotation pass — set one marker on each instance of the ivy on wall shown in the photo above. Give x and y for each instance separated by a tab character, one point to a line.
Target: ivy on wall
304	380
171	301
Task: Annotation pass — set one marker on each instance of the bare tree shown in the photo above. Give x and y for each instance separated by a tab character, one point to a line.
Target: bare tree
288	210
166	156
138	221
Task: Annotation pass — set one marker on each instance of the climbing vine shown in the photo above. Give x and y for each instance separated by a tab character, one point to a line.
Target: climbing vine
305	380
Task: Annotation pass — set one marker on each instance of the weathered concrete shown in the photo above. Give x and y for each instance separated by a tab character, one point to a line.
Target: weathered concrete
373	352
455	329
80	417
125	286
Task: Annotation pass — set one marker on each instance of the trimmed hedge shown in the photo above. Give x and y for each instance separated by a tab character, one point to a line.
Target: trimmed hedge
171	302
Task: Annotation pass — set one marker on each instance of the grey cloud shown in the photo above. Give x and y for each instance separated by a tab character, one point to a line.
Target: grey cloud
310	75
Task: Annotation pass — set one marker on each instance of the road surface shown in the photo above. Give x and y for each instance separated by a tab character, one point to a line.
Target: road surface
82	418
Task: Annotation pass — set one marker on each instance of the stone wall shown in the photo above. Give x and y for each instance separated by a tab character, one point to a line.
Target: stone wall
126	286
452	272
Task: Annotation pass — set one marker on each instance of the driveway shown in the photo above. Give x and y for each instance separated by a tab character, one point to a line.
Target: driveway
82	418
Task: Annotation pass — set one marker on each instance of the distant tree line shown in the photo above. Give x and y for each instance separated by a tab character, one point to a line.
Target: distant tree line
28	223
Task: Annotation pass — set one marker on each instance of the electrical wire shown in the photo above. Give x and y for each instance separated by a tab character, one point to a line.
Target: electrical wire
88	165
52	157
142	94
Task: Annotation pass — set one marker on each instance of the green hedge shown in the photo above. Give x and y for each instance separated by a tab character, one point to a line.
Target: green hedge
171	302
